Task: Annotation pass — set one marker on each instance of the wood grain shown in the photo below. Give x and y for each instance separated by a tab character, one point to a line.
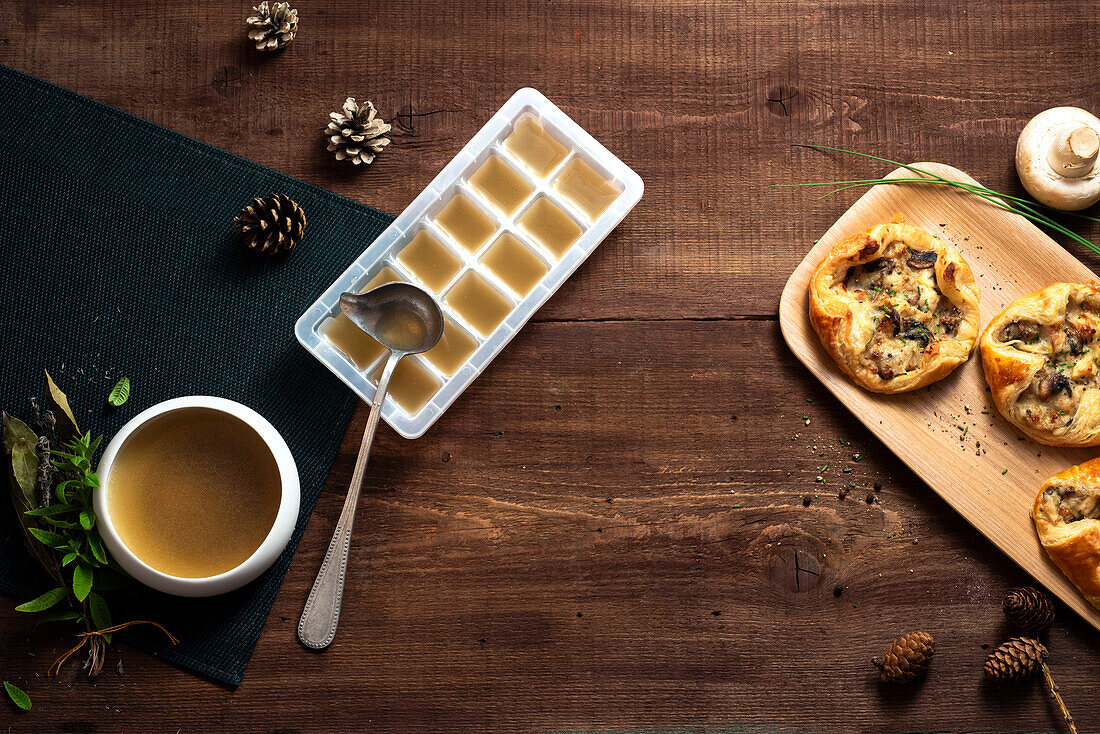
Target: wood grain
525	568
480	544
702	98
950	433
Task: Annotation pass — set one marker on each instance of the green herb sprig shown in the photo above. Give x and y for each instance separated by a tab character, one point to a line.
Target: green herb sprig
69	528
1026	208
51	491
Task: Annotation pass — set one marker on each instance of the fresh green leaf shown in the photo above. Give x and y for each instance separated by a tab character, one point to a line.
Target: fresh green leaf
21	442
18	696
110	578
66	421
45	537
120	393
59	615
51	510
92	480
95	543
47	600
101	615
87	518
82	581
69	558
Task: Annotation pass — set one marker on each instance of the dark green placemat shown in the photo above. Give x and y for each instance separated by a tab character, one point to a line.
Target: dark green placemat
118	258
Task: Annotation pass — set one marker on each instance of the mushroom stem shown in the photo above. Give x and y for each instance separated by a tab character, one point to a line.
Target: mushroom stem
1073	151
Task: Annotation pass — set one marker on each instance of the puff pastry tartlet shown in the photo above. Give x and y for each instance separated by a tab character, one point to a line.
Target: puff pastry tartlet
1067	519
1040	360
895	307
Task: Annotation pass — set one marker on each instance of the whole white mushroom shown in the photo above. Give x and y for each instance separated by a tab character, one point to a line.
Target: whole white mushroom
1056	158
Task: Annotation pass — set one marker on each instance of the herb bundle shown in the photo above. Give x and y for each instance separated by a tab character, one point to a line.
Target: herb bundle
52	479
1026	208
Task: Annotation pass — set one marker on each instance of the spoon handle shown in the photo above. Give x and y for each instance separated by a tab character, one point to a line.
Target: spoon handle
321	614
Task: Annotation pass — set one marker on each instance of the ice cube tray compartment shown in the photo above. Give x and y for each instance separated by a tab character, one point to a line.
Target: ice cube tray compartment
500	184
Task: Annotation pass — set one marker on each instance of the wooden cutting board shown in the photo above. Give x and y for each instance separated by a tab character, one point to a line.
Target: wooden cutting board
950	433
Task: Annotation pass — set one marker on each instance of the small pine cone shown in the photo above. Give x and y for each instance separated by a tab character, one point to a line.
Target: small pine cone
273	25
1015	660
272	225
357	134
1028	609
908	658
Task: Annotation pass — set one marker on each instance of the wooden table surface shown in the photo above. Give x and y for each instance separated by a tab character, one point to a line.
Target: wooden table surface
617	526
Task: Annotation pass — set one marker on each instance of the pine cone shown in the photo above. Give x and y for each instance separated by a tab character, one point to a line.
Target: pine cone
1028	609
273	25
357	134
908	658
272	225
1015	660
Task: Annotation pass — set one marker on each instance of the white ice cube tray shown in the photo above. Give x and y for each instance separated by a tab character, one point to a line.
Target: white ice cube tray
420	213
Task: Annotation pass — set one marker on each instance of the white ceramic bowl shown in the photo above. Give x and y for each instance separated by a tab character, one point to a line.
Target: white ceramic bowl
255	564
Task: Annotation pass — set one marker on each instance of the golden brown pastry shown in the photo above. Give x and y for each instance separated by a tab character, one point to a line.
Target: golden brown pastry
1040	360
895	307
1067	519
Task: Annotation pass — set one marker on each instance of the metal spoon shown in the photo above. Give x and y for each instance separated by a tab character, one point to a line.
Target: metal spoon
406	320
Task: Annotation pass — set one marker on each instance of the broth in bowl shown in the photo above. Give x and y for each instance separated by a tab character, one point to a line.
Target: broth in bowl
193	492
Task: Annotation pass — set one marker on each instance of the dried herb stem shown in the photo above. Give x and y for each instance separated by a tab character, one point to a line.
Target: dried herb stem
97	638
1052	687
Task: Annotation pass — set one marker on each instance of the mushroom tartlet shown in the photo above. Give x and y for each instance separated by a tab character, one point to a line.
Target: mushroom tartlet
1040	360
895	307
1067	520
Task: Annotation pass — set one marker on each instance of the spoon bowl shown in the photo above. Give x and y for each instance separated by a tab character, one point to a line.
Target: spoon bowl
400	316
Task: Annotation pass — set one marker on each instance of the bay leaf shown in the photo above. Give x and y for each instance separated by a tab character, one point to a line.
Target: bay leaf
21	442
45	557
24	464
67	428
16	430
